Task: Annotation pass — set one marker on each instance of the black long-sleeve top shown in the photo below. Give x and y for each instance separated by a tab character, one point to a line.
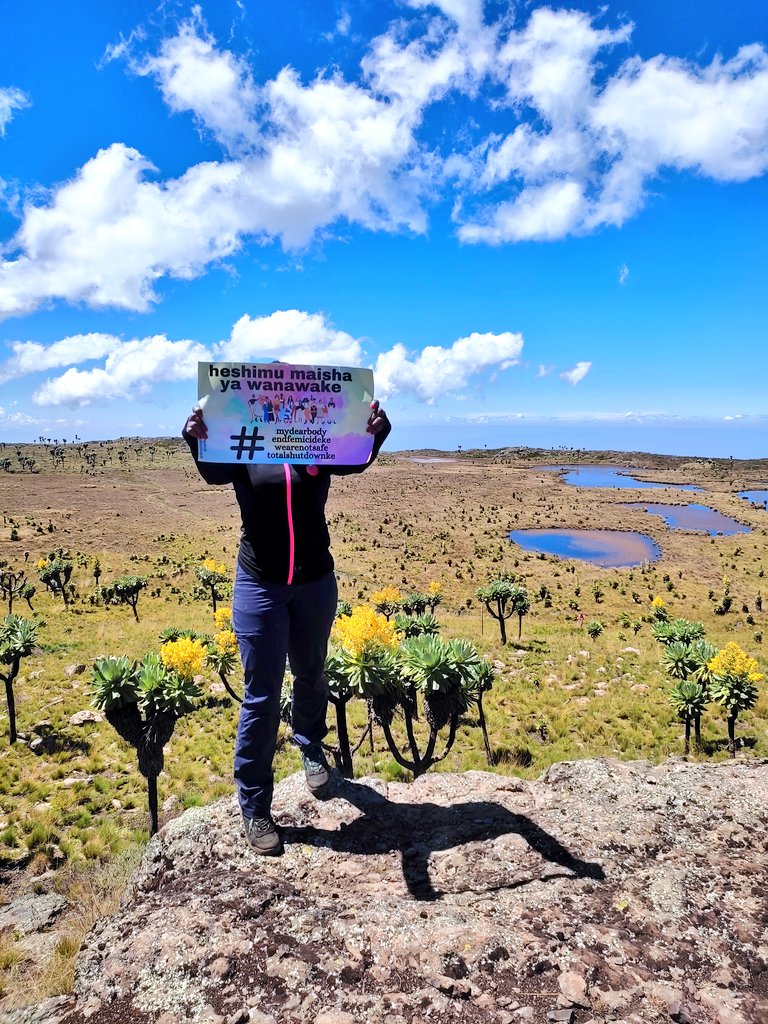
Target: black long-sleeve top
284	536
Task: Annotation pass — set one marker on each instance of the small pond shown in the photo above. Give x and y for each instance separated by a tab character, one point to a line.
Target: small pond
613	549
756	497
419	458
692	517
607	476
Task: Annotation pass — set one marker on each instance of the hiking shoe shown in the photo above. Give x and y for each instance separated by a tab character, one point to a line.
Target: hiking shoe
262	836
316	770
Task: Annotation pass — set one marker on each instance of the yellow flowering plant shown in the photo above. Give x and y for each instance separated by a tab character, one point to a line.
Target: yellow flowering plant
659	606
184	656
387	601
210	575
223	618
733	686
363	631
360	665
223	657
213	566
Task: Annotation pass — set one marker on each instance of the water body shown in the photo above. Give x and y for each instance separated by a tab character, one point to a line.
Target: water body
693	517
608	476
613	549
756	497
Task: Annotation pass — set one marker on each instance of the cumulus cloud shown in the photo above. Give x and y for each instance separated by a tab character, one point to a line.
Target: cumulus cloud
32	357
623	273
130	370
576	373
214	85
436	371
564	138
292	337
11	100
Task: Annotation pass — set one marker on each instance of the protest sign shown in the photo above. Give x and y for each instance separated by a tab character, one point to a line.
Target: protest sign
281	412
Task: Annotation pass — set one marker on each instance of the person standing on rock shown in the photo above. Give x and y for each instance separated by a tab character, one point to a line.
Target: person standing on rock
284	603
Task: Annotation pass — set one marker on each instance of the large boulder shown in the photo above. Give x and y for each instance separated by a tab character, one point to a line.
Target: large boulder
604	891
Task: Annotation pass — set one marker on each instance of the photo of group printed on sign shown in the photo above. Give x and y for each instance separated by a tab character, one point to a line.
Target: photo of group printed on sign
281	412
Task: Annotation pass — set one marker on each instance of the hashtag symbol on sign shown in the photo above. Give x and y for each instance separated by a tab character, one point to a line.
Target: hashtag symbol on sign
246	443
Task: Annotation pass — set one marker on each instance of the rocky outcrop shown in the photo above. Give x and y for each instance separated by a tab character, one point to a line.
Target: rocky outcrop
604	891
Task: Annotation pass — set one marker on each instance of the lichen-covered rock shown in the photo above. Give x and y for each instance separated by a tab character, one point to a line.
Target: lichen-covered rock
603	891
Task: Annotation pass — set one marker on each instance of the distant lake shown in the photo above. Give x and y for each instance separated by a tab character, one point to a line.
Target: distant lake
419	458
692	517
756	497
607	476
613	549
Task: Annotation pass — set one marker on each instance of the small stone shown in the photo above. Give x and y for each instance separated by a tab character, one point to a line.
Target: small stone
574	988
679	1014
334	1017
220	968
729	1015
566	1016
82	717
723	978
74	670
485	1001
257	1017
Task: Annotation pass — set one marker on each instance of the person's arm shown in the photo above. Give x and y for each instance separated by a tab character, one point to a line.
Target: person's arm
380	427
212	472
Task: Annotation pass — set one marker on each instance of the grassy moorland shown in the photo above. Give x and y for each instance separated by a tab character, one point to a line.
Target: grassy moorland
76	805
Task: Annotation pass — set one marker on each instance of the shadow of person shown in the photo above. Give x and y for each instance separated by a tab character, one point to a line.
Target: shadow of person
417	830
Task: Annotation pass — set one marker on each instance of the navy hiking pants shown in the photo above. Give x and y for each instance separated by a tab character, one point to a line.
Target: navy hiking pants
271	620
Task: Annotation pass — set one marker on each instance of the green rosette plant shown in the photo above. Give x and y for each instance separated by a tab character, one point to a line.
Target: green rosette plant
55	572
18	638
677	631
418	626
504	598
143	701
211	574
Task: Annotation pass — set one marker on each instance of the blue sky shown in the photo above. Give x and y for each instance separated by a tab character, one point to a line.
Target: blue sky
539	225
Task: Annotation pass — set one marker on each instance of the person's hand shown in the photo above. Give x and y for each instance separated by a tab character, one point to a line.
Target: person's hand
195	425
377	421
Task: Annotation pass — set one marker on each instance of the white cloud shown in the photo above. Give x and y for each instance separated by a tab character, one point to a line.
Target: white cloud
292	337
15	419
607	136
215	85
544	370
131	369
539	213
32	357
11	100
436	371
561	144
623	273
577	373
107	235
